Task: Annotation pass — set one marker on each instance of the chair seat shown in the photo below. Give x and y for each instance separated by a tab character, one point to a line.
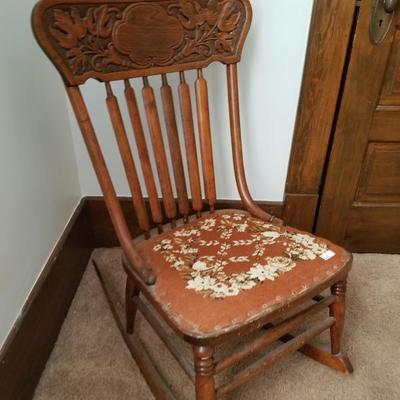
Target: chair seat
227	269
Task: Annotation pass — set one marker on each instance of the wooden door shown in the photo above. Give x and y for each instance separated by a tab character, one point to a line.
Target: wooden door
360	205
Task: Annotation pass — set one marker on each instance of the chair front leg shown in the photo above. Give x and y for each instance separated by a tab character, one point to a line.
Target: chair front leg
204	368
131	291
337	310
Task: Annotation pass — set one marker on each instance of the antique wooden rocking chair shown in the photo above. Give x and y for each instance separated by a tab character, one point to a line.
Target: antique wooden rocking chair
218	275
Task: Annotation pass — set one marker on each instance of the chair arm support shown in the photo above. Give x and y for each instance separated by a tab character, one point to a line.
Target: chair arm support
145	273
133	262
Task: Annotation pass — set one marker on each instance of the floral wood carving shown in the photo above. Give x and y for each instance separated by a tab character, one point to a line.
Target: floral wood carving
118	37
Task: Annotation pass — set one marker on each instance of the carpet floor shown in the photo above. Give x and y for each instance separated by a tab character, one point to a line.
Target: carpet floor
90	359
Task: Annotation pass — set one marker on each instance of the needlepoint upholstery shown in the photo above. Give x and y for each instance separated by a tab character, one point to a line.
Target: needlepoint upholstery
235	267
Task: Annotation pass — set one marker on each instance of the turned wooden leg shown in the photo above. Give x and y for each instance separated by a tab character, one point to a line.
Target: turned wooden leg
204	367
337	310
131	291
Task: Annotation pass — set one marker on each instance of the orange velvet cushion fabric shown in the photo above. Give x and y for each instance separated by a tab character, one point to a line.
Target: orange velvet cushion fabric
228	267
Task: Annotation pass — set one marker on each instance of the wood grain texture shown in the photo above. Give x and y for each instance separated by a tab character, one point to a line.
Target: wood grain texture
385	126
190	144
324	68
25	353
157	140
174	147
299	210
325	60
380	175
137	126
362	226
207	160
349	166
127	159
120	39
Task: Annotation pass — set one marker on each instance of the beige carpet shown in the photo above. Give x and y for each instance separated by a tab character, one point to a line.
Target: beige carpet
90	360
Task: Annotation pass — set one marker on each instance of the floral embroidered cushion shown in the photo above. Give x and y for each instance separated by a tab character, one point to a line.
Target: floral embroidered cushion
229	254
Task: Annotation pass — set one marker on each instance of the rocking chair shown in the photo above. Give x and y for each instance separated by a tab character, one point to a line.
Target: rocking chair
214	275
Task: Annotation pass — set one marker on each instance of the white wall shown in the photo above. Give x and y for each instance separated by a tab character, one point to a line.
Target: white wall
270	77
39	185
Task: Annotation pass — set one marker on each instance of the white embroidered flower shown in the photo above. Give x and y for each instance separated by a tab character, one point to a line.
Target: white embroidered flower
232	291
201	283
240	278
308	255
242	227
200	266
248	285
220	288
263	272
272	235
280	263
196	283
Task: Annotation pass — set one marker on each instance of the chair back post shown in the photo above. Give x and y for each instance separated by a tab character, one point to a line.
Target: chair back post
107	187
237	151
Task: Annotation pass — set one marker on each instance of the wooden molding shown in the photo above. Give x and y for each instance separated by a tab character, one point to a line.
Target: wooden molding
25	353
329	38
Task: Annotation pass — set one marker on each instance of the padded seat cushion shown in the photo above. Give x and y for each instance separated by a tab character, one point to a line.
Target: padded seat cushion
228	267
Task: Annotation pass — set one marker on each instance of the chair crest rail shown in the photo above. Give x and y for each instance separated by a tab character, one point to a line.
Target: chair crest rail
125	39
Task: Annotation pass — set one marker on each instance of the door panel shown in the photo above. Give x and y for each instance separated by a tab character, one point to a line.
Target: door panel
390	95
380	175
360	206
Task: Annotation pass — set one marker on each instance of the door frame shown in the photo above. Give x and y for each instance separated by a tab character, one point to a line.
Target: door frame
328	52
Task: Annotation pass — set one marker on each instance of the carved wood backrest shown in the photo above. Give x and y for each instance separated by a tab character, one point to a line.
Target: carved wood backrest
119	40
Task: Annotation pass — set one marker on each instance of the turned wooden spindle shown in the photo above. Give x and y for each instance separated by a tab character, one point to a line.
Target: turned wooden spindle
205	368
337	310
